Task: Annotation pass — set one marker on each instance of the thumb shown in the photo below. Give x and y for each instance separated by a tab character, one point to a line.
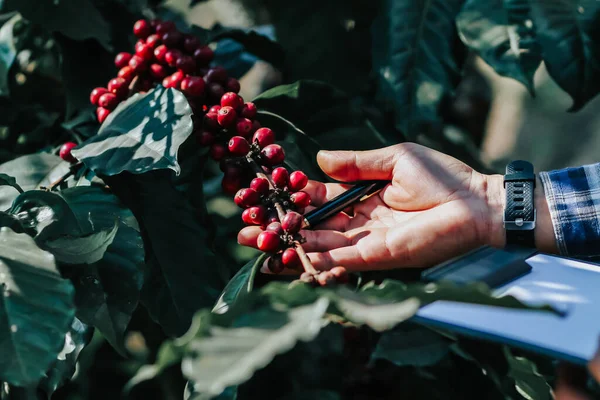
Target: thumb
348	166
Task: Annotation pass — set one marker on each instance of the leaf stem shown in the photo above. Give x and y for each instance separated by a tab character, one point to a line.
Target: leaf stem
72	170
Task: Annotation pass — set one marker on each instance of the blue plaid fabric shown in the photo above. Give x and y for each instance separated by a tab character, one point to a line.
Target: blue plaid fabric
573	196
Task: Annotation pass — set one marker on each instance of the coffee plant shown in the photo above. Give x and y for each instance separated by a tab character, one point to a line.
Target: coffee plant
126	146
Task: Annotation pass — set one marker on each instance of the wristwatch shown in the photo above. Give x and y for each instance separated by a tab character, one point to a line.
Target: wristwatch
519	212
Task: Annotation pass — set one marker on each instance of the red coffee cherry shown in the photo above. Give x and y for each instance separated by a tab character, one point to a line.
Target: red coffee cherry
211	121
138	64
232	100
249	110
275	226
298	181
127	73
215	90
158	71
216	74
192	86
272	217
172	39
191	44
139	44
65	152
205	138
292	222
255	215
145	52
164	27
232	85
153	41
246	197
204	55
226	116
119	87
243	127
108	100
280	177
256	126
238	146
275	264
291	259
326	278
231	183
268	242
272	154
217	151
96	93
214	109
260	184
142	29
340	274
300	199
102	113
264	137
186	64
174	80
122	59
172	56
160	52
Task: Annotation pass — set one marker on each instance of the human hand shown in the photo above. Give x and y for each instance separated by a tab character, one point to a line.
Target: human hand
571	380
435	208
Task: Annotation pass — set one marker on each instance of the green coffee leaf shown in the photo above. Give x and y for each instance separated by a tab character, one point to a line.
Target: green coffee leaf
36	309
142	134
8	52
7	180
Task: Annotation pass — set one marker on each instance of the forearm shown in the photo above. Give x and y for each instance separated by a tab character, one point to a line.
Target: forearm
545	239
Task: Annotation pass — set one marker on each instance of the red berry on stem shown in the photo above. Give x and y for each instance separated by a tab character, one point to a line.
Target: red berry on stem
260	184
214	109
226	116
300	199
275	227
215	90
292	222
205	138
122	59
142	29
255	215
145	52
172	38
238	146
232	182
138	64
243	127
186	64
127	73
232	100
204	55
153	41
275	264
102	113
249	110
65	152
217	151
211	121
119	87
291	259
340	274
96	93
216	74
268	242
192	86
246	197
298	181
108	100
158	71
264	137
272	217
139	44
191	44
280	177
272	154
256	126
232	85
172	57
160	53
164	27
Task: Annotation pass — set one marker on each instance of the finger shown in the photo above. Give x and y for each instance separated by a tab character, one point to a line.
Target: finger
247	236
321	193
350	166
319	240
339	222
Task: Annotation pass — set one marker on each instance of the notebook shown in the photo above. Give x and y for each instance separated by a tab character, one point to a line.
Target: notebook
569	285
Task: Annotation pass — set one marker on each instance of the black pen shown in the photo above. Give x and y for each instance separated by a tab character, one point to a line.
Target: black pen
359	192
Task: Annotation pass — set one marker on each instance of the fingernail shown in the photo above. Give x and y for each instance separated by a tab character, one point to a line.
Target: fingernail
265	269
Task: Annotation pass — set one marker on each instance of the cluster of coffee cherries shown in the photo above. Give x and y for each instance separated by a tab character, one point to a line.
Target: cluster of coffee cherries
252	163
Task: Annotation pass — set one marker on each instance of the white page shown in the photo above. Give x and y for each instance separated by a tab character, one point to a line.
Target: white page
569	285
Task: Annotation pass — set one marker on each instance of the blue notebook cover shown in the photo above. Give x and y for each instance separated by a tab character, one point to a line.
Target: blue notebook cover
569	285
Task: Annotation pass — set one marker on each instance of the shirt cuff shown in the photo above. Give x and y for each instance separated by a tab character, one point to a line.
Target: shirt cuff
573	196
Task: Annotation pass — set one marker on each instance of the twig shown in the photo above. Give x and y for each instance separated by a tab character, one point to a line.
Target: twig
72	170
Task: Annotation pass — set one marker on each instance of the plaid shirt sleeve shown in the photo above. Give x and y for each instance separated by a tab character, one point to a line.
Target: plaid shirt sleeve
573	196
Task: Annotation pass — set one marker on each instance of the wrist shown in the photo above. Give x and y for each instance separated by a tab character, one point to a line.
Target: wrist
545	240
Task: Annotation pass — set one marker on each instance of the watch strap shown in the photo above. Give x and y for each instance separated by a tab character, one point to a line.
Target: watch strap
519	212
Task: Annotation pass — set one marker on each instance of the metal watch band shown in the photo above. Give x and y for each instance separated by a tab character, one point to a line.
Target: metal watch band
519	212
